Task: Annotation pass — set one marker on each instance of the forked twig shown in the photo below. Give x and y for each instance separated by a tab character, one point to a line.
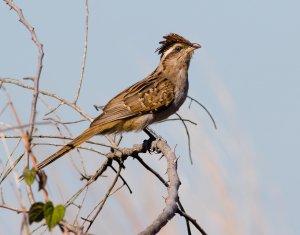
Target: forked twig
39	46
209	114
105	198
90	181
193	221
188	136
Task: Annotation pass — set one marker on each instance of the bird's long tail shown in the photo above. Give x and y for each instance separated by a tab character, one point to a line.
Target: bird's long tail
84	136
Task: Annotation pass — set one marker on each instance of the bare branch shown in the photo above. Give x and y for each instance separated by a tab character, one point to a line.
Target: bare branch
84	49
26	140
20	84
166	184
39	46
12	208
172	198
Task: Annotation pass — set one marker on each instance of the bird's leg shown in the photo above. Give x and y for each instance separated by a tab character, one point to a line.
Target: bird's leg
153	136
151	133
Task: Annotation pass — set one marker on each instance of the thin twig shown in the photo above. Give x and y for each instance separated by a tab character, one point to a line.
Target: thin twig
211	117
61	137
78	147
23	126
54	109
4	174
105	198
178	119
152	170
24	211
4	108
122	178
39	46
13	208
64	123
84	50
16	82
20	84
186	220
57	118
80	206
98	173
8	162
188	136
26	142
193	221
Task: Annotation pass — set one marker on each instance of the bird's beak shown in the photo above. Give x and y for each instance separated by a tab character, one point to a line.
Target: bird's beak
196	46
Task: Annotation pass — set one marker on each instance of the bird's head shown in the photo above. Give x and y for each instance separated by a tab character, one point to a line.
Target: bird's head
175	50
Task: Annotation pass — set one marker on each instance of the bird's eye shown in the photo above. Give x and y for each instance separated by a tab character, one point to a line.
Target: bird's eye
178	48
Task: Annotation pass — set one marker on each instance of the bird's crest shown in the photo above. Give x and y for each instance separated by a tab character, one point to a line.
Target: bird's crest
170	40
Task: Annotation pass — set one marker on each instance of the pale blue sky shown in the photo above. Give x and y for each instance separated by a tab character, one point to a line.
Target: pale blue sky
247	74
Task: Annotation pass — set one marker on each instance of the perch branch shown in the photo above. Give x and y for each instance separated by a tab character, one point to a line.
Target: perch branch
172	198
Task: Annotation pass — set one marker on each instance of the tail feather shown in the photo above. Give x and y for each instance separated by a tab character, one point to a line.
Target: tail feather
84	136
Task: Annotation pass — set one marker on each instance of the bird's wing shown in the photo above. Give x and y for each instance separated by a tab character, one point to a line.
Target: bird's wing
147	96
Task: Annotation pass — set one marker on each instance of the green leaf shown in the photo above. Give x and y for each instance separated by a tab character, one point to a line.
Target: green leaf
29	175
53	215
59	213
48	212
36	212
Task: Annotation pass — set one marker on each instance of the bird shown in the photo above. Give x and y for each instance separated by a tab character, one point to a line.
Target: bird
150	100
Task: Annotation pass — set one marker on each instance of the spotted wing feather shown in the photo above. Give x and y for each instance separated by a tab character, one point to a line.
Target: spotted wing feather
147	96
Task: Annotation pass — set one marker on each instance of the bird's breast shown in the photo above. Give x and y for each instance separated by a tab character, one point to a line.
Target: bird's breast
181	91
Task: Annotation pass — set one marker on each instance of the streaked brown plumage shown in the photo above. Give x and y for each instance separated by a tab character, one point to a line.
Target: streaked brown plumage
150	100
